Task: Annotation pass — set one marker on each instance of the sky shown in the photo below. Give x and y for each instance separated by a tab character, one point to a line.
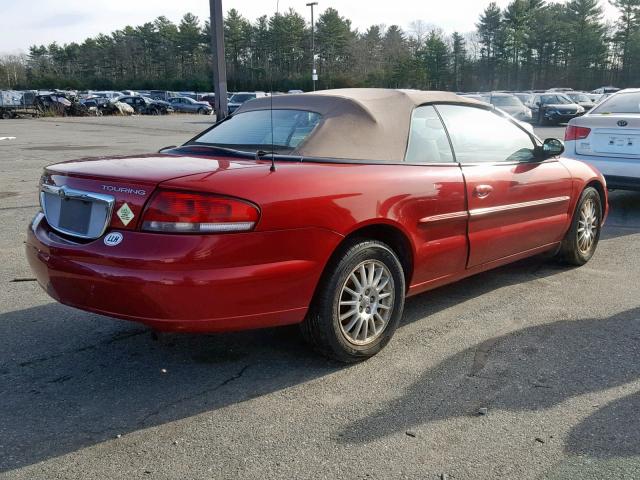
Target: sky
29	22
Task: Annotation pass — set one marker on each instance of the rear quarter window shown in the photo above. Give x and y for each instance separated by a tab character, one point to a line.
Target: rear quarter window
428	141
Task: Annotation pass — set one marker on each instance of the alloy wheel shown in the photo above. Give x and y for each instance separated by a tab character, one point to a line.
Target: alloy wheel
366	302
587	226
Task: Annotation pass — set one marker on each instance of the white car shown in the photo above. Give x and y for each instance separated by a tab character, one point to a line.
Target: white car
608	138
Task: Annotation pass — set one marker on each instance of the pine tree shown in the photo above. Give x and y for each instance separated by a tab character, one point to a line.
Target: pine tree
458	60
626	35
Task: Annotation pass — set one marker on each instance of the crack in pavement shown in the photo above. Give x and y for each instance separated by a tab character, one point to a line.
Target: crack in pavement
224	383
116	338
18	208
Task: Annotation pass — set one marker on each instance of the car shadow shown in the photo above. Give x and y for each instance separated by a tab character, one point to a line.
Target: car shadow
60	395
78	379
612	431
624	214
532	369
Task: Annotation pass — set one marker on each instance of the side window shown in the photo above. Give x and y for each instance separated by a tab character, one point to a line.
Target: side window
428	141
481	136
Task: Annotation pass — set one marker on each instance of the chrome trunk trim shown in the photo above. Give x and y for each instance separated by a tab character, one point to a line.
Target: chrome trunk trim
64	192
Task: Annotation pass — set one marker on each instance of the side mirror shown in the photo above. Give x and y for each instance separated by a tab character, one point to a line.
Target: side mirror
552	147
538	104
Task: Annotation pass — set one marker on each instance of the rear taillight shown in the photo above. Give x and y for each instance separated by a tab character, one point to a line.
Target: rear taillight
183	212
576	133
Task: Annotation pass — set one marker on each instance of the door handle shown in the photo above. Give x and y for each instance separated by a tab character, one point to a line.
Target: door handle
482	191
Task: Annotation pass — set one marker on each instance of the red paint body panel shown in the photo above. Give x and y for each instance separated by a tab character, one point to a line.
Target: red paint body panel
335	197
513	215
195	283
267	277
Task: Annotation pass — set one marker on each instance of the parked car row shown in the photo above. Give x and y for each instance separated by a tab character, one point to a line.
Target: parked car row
549	107
108	102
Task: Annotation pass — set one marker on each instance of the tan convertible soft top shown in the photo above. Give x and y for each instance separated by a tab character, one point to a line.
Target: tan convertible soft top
357	123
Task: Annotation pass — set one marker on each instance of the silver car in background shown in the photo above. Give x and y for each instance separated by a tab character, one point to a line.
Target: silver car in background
240	98
581	98
511	104
189	105
608	137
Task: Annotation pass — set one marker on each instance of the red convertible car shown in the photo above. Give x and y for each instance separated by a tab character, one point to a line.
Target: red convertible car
323	209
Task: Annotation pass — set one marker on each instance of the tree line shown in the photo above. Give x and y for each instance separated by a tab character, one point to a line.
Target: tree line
529	44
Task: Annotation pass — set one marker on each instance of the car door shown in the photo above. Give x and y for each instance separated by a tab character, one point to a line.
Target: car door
516	202
534	105
139	105
192	105
177	104
129	101
440	210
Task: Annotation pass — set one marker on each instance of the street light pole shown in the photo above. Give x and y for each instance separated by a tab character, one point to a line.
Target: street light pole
219	63
314	73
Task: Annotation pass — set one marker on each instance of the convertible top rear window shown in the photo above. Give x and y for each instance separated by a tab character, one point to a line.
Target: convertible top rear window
252	130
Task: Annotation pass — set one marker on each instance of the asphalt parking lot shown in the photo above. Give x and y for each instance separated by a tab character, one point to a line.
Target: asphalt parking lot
551	352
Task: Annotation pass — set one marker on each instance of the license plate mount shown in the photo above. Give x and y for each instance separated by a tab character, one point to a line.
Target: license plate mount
75	215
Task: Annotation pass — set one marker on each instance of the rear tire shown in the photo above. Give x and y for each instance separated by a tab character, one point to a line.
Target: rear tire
358	304
581	241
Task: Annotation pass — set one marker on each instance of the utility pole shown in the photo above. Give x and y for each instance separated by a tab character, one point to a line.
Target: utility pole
314	73
219	63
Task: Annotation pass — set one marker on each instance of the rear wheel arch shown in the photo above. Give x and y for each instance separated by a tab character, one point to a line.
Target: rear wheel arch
600	189
390	235
581	240
325	327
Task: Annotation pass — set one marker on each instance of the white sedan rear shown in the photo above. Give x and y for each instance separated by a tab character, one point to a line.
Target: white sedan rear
608	138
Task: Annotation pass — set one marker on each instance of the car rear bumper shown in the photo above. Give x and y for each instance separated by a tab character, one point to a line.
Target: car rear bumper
621	173
623	183
191	283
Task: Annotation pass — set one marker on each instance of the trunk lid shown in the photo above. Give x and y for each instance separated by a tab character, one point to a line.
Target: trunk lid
120	186
615	136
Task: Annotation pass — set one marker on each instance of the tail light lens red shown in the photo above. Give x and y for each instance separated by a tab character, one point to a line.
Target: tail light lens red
184	212
576	133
